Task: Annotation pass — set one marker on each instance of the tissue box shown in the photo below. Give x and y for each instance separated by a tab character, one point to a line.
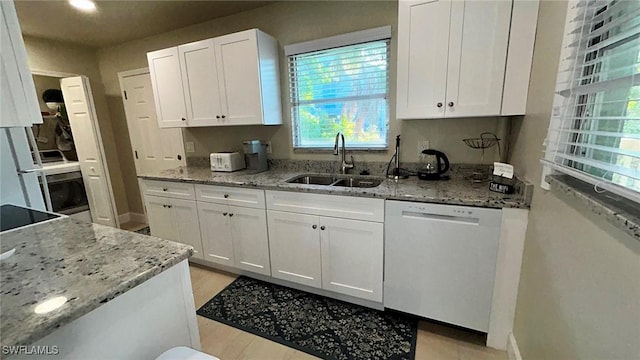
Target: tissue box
502	185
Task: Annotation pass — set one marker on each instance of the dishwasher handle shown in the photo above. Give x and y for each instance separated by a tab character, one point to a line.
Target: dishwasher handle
441	217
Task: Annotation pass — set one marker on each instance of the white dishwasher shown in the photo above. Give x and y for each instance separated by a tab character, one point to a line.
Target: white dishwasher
440	261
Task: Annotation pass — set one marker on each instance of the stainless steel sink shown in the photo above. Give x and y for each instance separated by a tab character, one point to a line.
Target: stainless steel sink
313	179
333	180
358	182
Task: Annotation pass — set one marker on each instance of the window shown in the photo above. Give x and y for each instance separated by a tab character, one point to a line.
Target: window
594	133
340	84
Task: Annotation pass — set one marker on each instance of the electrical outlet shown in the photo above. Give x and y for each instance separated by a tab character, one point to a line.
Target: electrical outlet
269	148
191	147
423	145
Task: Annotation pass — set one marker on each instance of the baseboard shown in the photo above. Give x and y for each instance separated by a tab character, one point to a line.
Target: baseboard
512	348
132	217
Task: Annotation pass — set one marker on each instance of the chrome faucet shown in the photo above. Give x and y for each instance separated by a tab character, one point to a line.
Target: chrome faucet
344	166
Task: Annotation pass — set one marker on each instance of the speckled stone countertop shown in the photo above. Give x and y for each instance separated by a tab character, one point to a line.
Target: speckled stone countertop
618	211
89	264
457	191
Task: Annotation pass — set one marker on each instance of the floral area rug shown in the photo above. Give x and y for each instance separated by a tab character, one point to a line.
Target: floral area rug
320	326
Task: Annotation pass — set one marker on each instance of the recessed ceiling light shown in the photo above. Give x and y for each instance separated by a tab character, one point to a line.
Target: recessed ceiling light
84	5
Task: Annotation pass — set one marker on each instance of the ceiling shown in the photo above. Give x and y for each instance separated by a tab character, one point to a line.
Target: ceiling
116	22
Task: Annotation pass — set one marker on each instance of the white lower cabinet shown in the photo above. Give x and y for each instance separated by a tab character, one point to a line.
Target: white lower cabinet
340	255
352	257
175	220
235	236
294	244
216	234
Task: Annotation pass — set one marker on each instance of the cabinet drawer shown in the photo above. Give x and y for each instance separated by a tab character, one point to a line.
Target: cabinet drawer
346	207
251	198
168	189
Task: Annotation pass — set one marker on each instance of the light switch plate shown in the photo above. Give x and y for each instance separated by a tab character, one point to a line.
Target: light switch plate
191	147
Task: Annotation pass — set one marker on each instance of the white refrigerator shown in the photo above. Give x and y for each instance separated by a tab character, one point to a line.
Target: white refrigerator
19	172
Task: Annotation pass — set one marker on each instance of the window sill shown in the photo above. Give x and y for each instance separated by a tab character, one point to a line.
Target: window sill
618	211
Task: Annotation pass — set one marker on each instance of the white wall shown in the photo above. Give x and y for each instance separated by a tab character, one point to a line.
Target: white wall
579	295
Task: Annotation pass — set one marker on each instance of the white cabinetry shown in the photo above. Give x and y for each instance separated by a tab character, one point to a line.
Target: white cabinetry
228	80
322	251
234	235
176	220
19	102
452	58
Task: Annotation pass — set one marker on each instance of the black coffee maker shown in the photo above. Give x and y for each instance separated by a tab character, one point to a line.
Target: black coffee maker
433	165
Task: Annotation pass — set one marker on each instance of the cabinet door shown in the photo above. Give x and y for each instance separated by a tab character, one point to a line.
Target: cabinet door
160	216
238	70
423	41
200	83
166	81
478	43
217	242
294	244
250	240
187	225
18	102
352	257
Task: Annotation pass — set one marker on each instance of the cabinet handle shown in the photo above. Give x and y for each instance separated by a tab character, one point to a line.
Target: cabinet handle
226	196
164	206
224	214
223	116
183	119
164	189
439	104
314	227
169	206
451	104
322	228
231	214
217	116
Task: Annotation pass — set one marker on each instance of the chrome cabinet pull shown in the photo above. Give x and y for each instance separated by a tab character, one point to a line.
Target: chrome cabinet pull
314	227
451	104
439	104
322	228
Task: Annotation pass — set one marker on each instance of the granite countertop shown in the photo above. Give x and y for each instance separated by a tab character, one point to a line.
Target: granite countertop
89	264
618	211
457	191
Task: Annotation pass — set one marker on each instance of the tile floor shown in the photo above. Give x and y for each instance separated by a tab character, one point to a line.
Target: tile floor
435	341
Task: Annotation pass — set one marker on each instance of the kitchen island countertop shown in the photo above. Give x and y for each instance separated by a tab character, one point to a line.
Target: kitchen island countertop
88	264
456	191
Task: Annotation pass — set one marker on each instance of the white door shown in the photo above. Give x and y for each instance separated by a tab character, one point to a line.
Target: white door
352	257
200	83
188	226
423	41
160	217
250	239
294	244
166	78
154	149
88	142
238	71
217	242
478	43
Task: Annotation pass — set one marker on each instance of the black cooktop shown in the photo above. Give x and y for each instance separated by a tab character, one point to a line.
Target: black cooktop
12	216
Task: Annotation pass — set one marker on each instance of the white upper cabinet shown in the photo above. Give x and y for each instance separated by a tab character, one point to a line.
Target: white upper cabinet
166	79
200	82
478	38
228	80
452	58
19	101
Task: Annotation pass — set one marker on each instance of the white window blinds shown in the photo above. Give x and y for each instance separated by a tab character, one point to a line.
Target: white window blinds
594	133
341	89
